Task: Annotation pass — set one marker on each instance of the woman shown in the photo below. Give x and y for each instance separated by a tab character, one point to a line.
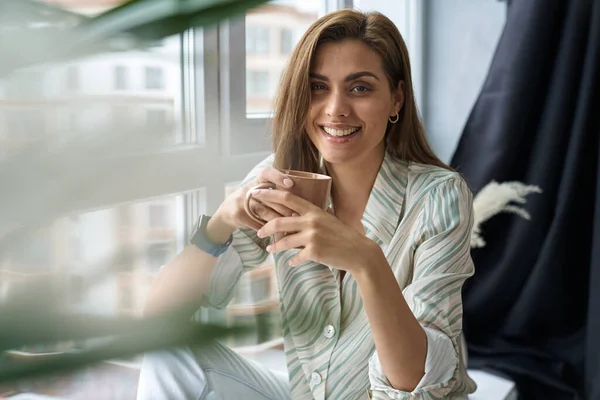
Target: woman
371	305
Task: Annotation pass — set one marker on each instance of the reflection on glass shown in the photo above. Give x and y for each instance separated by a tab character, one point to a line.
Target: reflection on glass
138	90
104	261
272	31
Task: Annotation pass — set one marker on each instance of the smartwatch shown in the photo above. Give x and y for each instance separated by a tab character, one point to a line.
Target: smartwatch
200	239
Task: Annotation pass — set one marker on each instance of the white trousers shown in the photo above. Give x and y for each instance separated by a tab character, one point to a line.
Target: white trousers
209	373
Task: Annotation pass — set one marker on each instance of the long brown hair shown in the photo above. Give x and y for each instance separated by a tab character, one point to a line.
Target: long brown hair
404	139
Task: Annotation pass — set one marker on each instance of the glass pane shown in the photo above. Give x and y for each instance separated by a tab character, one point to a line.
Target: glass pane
121	92
255	302
104	261
272	31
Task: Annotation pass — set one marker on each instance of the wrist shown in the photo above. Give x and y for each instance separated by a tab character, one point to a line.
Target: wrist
370	261
217	231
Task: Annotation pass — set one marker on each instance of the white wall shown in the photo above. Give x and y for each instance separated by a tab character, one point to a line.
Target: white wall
461	37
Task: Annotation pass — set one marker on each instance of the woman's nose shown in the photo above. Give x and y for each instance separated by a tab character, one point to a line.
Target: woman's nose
337	105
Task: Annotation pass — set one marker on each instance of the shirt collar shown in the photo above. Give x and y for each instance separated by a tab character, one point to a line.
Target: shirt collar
384	207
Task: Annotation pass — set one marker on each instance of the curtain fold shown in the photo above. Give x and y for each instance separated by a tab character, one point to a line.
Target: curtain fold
532	309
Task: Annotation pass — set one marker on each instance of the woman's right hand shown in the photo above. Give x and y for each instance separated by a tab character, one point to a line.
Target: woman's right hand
232	214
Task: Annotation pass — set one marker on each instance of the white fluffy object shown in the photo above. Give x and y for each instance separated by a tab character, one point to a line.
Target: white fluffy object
495	198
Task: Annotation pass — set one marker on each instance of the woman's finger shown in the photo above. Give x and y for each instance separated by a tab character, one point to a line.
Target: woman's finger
278	225
263	211
290	241
279	208
275	176
290	200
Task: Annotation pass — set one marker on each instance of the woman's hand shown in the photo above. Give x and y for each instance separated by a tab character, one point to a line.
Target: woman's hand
322	237
233	214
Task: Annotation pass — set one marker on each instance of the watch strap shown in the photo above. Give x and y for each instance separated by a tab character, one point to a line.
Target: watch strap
200	239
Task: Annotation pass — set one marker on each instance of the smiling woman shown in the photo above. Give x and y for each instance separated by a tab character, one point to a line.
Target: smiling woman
351	102
370	290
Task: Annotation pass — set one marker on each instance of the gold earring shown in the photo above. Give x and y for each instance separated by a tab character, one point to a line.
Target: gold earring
393	121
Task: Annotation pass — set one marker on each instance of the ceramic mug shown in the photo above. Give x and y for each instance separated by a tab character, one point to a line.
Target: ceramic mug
313	187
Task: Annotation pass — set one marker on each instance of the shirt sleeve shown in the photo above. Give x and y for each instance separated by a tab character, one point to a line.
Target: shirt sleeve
247	251
441	264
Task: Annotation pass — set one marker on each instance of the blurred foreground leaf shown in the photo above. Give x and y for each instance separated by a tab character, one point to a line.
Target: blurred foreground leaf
33	33
36	180
125	338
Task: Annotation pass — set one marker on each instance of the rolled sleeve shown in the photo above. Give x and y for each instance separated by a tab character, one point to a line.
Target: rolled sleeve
442	263
440	365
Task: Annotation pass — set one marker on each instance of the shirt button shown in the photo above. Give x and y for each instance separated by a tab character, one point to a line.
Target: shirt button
316	378
329	331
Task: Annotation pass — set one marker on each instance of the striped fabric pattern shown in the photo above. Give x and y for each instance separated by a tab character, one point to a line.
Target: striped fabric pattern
421	216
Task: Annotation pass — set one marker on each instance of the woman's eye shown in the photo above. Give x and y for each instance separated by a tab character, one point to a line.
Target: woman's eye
360	88
318	86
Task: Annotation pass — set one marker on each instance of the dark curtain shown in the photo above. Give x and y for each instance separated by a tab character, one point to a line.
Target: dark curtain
532	309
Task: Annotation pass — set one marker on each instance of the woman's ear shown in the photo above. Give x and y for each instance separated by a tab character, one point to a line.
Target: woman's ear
398	98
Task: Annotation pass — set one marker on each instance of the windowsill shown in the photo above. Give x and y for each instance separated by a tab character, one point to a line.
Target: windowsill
249	351
254	308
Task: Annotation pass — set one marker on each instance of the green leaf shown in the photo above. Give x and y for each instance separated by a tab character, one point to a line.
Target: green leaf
148	336
149	20
134	24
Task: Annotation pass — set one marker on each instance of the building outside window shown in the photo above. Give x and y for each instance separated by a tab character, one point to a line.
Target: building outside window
154	78
257	83
158	216
287	41
257	39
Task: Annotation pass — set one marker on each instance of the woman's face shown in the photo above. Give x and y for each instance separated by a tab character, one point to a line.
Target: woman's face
351	102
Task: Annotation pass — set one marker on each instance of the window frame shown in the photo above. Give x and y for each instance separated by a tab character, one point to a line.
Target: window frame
213	67
408	15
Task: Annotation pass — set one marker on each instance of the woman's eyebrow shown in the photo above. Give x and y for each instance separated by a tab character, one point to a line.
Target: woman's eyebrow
350	77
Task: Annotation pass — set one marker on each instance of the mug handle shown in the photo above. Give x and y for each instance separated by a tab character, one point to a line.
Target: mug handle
251	214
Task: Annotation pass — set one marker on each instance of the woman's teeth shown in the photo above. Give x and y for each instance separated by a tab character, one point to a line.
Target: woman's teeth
339	133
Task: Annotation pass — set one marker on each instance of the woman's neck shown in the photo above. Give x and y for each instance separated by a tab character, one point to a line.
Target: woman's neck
352	185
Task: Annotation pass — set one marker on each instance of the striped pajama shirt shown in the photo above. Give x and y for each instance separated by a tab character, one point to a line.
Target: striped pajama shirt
421	216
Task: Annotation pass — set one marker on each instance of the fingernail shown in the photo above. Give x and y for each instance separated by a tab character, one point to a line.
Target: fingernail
270	248
256	192
295	215
292	263
288	182
259	234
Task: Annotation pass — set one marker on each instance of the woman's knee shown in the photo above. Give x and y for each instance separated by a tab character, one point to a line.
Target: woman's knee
171	373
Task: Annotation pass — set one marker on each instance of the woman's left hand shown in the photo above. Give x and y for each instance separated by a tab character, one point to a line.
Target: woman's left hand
321	236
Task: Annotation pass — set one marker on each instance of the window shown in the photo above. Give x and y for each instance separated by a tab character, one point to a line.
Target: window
125	215
122	117
158	120
101	237
287	41
273	23
26	124
257	83
37	254
72	78
257	39
158	215
158	255
120	77
154	78
148	199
